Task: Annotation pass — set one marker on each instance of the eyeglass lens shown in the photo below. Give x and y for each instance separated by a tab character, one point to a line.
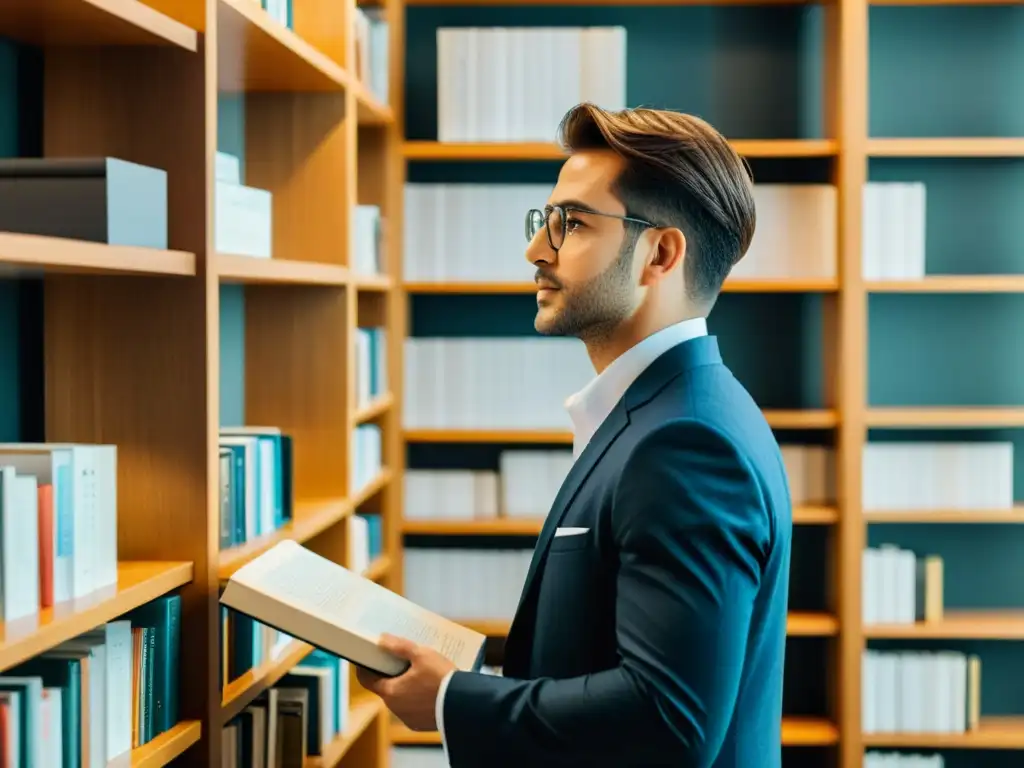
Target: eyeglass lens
555	226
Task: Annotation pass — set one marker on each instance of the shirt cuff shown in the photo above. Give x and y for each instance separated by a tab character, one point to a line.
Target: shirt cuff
439	712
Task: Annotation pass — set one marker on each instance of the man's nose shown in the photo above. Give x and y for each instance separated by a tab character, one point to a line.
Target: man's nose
539	250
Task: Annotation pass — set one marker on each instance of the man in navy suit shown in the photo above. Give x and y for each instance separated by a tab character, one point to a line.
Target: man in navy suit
651	629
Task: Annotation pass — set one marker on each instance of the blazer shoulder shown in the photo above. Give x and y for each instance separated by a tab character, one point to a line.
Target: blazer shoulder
688	471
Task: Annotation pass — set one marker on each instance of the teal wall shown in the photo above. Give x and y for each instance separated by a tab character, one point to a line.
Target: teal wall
756	72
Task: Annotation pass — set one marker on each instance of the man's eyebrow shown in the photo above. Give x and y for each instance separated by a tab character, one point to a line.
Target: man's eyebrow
578	205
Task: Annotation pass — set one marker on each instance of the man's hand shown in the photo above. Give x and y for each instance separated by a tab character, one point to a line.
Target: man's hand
412	695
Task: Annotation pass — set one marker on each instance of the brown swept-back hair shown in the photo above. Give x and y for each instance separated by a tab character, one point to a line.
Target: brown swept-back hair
679	172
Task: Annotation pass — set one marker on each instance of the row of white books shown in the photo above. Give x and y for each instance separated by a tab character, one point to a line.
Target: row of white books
899	587
367	454
242	215
436	579
371	48
492	383
920	692
58	524
371	365
796	234
367	256
893	232
875	759
489	79
938	475
446	223
527	481
298	718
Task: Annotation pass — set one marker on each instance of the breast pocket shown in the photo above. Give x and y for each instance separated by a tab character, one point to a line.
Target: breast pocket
571	542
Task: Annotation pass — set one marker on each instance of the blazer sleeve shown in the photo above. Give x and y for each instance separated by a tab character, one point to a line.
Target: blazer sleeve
693	534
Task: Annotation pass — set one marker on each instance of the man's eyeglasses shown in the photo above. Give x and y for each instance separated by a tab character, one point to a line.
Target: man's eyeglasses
555	219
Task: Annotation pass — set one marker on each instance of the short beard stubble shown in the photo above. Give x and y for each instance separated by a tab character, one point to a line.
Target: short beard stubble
593	310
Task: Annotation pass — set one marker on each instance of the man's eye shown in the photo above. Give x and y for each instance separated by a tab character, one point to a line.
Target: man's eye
571	225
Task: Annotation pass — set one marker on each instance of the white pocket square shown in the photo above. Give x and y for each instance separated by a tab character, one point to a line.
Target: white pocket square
569	531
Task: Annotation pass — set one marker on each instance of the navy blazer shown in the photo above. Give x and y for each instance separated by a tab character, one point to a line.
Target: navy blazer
656	638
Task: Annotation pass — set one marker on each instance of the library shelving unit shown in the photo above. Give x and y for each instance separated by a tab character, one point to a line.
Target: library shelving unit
924	97
129	345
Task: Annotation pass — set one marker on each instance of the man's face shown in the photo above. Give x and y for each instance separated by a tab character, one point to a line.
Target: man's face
588	286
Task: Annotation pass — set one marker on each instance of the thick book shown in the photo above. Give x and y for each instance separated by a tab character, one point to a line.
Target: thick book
332	608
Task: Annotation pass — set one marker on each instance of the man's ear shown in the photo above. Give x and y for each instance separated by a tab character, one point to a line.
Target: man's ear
667	254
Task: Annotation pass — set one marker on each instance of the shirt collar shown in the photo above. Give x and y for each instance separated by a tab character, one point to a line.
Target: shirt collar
592	404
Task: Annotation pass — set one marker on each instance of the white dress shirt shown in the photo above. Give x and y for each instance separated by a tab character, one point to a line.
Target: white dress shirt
589	407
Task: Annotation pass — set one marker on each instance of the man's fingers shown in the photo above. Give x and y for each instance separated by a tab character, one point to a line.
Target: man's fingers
369	680
399	646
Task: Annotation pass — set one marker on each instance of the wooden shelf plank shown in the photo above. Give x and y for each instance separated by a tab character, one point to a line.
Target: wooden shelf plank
240	692
34	254
310	518
374	409
947	147
480	151
815	514
956	625
779	419
166	747
966	417
766	285
806	624
255	53
369	109
1009	516
798	624
372	488
378	569
540	436
809	732
796	732
363	710
810	418
950	284
530	526
520	3
991	733
137	584
91	23
369	283
246	269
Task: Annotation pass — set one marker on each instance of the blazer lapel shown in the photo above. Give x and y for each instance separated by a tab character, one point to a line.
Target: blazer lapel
610	429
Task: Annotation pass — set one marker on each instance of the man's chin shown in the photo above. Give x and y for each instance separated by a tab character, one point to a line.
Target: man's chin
548	323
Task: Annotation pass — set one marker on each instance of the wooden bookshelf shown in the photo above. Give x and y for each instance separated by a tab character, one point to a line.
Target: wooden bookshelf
471	152
168	746
796	732
22	255
364	711
803	285
241	691
991	733
92	22
137	584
